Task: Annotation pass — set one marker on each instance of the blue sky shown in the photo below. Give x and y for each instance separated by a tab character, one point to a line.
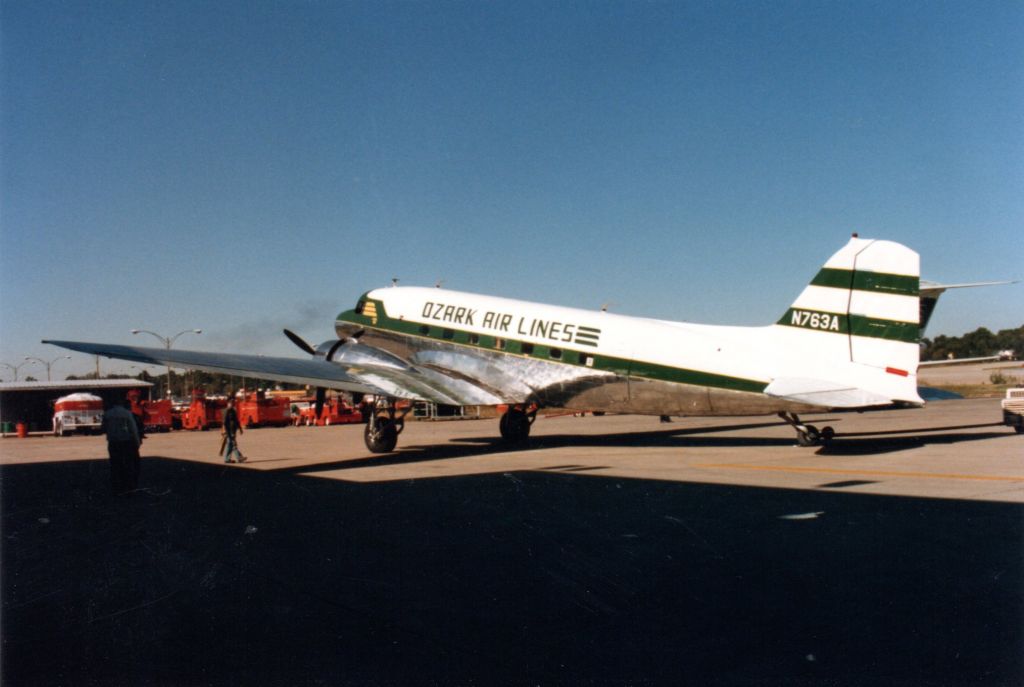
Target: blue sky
246	166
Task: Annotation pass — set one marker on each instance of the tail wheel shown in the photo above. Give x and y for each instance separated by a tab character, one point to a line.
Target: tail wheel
809	436
812	436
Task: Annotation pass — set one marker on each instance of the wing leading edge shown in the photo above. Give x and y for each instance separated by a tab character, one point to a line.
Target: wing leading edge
355	367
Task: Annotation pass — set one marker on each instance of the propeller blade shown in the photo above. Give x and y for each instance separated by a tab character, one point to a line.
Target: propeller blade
334	349
321	395
299	341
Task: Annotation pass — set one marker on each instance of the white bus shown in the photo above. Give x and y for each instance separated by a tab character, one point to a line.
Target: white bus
77	413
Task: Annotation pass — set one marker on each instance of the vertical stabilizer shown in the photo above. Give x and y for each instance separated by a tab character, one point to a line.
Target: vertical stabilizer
862	307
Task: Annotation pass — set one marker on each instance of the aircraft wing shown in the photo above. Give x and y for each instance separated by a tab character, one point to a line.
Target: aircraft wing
355	367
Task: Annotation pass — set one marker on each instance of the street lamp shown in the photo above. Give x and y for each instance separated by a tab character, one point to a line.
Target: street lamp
167	341
30	359
16	367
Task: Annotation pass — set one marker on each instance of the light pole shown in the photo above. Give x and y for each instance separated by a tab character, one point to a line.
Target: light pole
30	359
168	341
16	367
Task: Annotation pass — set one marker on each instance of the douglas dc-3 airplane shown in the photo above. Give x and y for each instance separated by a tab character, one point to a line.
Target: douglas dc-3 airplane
849	341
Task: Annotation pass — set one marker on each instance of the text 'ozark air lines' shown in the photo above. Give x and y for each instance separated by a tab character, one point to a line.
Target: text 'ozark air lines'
508	323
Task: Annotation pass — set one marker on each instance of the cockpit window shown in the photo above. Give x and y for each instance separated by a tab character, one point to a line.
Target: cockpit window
359	306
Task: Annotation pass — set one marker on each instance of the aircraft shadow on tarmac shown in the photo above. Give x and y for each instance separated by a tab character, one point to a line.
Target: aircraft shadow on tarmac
466	447
216	576
858	443
871	443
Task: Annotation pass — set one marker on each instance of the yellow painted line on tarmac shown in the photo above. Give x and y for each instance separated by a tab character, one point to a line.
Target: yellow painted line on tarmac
863	473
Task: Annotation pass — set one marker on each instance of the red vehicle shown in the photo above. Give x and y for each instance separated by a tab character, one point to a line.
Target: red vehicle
335	412
156	415
204	412
256	410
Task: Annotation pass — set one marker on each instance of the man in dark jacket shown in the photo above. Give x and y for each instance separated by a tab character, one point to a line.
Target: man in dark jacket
229	430
123	446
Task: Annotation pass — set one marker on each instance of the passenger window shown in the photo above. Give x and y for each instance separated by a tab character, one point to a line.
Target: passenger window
527	349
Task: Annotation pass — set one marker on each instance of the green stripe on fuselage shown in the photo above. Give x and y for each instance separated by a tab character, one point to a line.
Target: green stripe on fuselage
876	282
603	363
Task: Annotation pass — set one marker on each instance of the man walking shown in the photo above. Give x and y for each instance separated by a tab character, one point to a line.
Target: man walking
123	447
230	428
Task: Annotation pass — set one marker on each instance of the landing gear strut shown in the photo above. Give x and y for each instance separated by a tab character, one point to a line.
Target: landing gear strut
515	423
384	426
808	435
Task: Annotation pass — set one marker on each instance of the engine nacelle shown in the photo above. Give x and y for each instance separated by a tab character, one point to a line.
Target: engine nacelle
351	352
323	349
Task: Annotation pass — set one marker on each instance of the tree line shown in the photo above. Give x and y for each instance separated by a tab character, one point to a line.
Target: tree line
979	343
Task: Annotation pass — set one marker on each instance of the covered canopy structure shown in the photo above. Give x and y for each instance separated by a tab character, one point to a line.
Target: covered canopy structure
32	402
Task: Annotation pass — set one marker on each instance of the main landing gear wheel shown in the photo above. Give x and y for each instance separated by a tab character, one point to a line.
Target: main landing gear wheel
808	435
382	430
380	436
515	425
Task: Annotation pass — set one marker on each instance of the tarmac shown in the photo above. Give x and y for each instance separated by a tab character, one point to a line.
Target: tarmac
606	550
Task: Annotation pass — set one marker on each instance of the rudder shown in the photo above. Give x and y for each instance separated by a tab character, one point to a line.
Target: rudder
863	306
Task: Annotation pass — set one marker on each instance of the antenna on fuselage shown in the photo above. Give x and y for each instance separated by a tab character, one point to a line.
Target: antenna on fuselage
437	284
605	306
394	281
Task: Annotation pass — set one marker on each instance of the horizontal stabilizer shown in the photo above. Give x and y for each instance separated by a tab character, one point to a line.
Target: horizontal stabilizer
930	292
821	392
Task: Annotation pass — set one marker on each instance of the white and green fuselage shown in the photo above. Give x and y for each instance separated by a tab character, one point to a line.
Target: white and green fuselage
849	340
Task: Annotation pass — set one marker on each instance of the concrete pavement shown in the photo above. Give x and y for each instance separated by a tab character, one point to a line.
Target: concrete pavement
609	550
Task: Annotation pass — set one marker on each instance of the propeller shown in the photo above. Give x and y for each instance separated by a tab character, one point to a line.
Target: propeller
321	392
333	349
299	341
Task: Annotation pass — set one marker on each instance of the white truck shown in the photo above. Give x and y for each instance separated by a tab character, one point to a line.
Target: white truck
1013	409
77	413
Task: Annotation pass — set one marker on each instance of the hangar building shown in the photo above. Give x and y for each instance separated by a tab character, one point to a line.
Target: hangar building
32	402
